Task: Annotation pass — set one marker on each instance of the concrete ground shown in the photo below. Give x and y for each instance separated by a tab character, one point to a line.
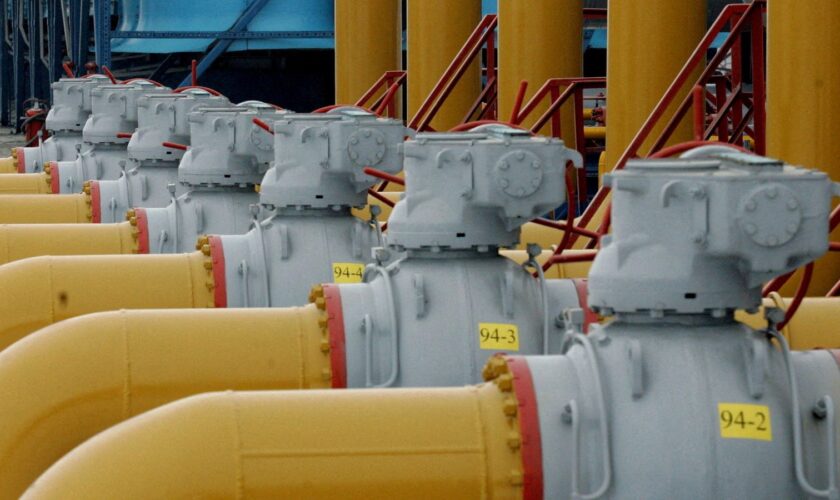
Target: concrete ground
8	140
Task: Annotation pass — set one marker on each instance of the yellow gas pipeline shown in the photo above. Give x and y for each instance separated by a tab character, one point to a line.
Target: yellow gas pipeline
71	380
44	209
9	164
43	290
26	184
21	241
372	443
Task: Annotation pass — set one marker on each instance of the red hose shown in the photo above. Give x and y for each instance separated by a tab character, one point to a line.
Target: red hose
175	145
197	87
263	125
687	146
381	198
109	74
124	135
466	127
67	70
384	176
327	109
132	80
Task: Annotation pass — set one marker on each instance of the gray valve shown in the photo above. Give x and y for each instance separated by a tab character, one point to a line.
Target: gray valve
321	158
227	148
702	235
460	196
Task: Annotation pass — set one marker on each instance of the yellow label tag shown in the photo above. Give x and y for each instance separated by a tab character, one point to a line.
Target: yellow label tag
348	272
498	336
745	421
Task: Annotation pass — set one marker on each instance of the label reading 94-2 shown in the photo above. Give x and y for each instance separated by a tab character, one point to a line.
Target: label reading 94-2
745	421
498	336
348	272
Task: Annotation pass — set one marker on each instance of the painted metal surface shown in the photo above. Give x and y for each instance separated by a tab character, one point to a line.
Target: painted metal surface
660	44
802	51
117	365
463	443
436	30
174	20
45	290
368	42
537	41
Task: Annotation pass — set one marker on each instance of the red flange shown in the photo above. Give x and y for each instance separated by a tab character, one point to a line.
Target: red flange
217	255
55	181
335	328
529	427
95	202
142	230
21	161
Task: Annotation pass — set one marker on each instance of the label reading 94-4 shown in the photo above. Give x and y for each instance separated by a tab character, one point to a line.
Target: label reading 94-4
745	421
348	272
498	336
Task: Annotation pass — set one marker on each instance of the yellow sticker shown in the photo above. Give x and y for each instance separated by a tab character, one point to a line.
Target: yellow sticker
498	336
348	272
745	421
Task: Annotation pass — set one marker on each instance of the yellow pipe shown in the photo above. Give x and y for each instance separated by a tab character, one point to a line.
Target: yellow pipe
9	164
20	241
44	208
437	29
69	381
371	443
44	290
648	46
368	42
816	324
597	133
25	183
803	108
538	40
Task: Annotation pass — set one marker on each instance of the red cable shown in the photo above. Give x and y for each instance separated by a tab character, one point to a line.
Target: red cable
175	145
383	175
263	125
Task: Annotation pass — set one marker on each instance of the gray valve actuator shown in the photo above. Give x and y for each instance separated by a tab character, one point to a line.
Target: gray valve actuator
702	235
458	196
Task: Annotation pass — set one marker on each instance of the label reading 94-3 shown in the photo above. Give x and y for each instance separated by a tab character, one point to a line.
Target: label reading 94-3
348	272
498	336
745	421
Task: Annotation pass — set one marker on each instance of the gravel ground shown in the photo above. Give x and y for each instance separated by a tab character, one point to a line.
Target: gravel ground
8	140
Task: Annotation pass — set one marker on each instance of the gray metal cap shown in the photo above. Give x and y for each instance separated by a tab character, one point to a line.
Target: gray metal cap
71	102
468	190
114	110
701	235
163	118
226	147
320	158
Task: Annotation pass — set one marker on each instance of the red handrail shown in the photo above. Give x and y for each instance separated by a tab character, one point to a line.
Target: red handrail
751	14
483	33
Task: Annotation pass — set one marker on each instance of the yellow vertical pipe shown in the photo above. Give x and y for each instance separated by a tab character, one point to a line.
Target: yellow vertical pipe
647	44
437	29
538	40
368	42
803	106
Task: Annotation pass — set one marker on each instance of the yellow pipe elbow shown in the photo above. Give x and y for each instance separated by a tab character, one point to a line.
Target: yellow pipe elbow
372	443
44	290
25	183
20	241
9	164
44	209
76	378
